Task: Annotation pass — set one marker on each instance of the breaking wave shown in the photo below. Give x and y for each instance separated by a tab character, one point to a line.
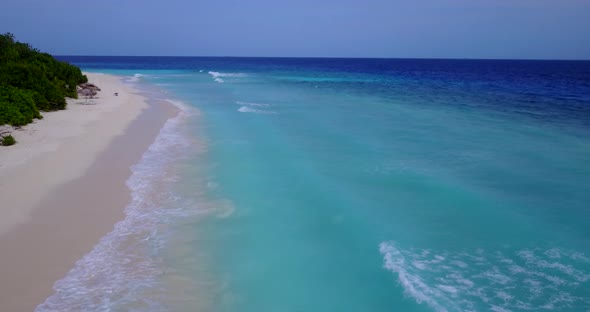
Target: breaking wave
523	280
218	77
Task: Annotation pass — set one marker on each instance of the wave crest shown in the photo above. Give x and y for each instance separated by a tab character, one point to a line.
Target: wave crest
217	76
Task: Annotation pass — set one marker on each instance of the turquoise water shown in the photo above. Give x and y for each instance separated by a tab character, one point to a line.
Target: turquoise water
350	185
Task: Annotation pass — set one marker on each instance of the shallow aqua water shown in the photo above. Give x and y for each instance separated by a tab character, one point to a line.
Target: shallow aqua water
350	185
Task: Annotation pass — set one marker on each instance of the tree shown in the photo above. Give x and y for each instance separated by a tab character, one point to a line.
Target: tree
32	81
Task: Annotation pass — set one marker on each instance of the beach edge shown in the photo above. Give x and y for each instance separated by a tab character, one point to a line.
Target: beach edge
76	201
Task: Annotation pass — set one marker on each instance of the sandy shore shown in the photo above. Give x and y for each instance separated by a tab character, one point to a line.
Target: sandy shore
62	186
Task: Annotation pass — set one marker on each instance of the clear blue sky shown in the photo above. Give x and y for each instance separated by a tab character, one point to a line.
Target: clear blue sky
546	29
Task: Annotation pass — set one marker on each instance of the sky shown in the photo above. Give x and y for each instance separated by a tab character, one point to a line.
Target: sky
497	29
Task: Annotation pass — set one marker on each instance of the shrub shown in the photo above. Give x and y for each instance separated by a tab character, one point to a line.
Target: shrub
8	140
17	106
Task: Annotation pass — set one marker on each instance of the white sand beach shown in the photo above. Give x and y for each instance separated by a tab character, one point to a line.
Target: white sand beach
62	185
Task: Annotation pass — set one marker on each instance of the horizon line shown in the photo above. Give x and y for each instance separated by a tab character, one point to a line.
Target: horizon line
333	57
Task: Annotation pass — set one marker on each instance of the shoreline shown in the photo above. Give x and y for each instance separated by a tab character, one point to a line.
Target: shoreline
74	175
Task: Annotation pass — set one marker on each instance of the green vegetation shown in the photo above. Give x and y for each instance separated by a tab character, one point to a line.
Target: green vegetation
8	140
31	81
17	106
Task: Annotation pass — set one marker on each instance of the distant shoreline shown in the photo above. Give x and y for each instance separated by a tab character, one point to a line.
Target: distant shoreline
73	165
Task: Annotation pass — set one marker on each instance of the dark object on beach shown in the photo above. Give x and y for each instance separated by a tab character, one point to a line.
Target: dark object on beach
116	93
87	92
90	86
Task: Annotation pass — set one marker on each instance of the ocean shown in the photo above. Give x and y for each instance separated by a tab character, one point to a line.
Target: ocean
302	184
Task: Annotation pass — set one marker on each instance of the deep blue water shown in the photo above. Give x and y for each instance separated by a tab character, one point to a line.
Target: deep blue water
361	185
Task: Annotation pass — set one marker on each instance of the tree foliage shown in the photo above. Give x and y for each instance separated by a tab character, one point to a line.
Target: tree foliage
31	81
17	106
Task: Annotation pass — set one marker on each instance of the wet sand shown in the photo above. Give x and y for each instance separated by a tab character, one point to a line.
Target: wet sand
79	179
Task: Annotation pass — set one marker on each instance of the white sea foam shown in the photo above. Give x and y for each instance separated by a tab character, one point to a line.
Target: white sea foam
135	78
414	286
186	110
460	264
498	309
498	281
125	265
246	109
553	253
218	77
253	104
449	289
